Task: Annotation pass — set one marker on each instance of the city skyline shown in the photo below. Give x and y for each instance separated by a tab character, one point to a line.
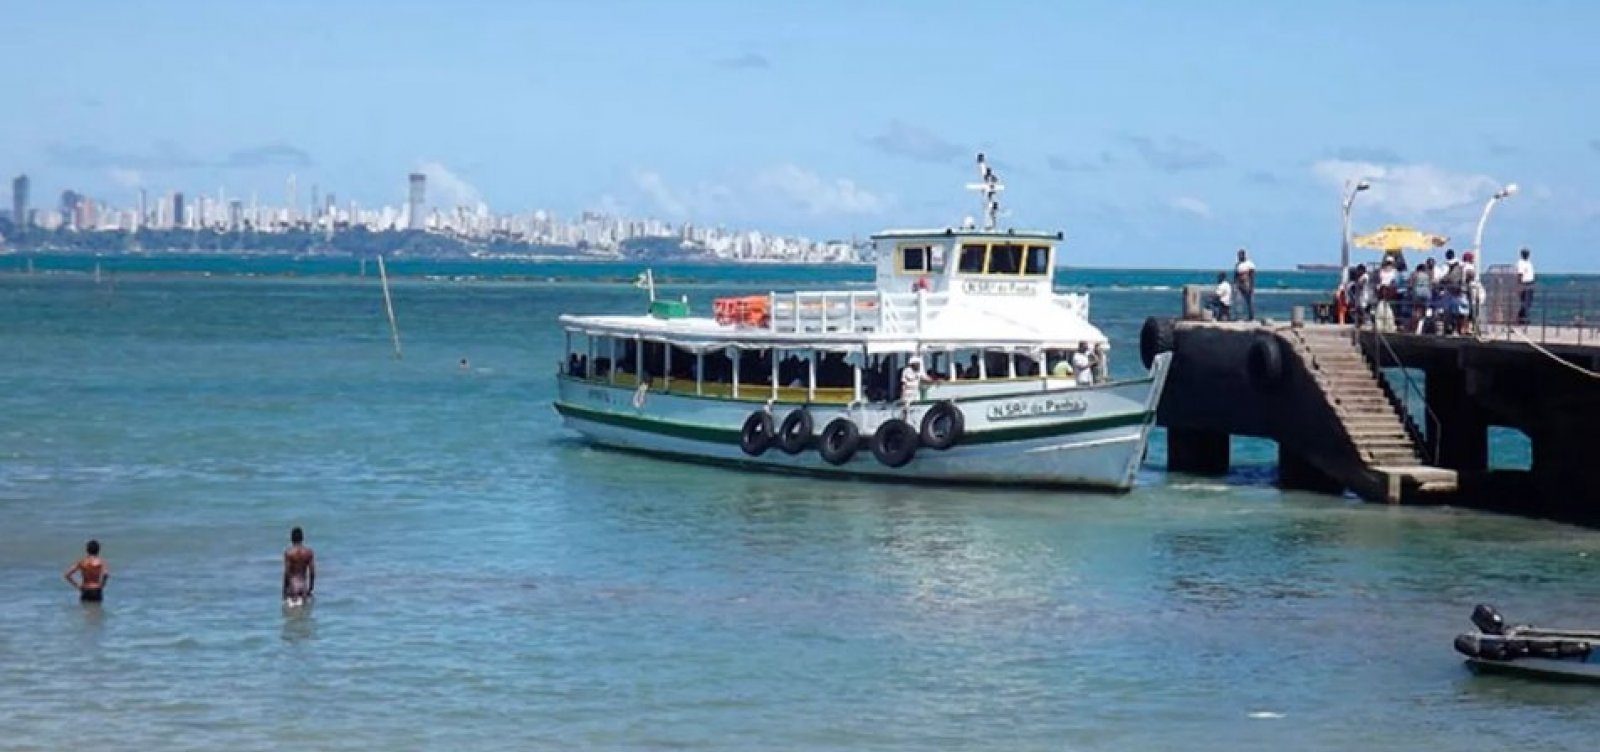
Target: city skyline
594	233
1161	134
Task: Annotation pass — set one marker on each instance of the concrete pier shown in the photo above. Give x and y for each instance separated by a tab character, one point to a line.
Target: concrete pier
1548	392
1319	392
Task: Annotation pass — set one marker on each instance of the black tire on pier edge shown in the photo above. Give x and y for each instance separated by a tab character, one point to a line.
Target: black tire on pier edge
756	436
942	426
794	436
1264	362
838	441
1155	337
895	443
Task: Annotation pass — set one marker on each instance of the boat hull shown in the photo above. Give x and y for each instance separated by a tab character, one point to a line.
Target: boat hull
1089	437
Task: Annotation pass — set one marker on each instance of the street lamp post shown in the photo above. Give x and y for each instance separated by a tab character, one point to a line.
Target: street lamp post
1344	243
1477	238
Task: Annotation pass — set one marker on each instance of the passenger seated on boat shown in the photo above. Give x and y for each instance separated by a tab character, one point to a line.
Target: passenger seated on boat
1062	369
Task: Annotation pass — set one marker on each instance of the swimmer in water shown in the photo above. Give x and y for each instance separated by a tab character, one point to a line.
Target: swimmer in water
465	365
299	569
92	573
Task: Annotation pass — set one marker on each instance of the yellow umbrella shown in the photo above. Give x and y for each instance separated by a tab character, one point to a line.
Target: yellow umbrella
1400	237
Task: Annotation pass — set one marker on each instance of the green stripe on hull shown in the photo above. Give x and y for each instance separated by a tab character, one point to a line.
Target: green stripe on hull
716	435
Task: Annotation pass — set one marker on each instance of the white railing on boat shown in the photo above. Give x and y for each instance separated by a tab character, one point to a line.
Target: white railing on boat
871	311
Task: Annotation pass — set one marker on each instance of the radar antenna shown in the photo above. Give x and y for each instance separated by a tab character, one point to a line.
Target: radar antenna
990	187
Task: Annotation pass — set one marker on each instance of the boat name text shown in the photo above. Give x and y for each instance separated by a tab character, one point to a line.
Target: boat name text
994	287
1036	408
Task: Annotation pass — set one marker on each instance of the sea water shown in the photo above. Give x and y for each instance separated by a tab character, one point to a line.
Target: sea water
486	581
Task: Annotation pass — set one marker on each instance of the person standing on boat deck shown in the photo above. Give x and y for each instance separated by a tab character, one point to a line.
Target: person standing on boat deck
1244	280
1083	364
1524	287
912	378
299	567
92	574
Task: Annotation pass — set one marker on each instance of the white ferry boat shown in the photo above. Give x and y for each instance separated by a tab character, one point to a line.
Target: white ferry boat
811	382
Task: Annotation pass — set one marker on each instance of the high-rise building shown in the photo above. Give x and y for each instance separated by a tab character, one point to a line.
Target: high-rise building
144	210
177	211
69	208
236	215
19	201
414	206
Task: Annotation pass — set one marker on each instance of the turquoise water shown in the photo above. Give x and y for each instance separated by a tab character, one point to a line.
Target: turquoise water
489	583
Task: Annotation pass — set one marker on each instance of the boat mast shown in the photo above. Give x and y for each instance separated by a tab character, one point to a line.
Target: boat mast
990	187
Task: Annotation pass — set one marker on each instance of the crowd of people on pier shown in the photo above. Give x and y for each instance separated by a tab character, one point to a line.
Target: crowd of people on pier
1436	297
1445	297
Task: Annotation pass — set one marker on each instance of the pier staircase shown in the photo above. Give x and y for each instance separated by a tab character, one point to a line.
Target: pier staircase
1386	441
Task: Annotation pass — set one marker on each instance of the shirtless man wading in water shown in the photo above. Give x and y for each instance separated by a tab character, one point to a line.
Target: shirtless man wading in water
92	574
299	569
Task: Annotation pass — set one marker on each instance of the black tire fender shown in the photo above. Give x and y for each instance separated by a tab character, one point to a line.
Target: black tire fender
795	434
839	440
757	435
1155	337
942	425
895	443
1264	362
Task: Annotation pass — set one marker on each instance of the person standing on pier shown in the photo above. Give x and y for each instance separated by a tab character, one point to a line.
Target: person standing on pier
1244	280
92	574
1524	287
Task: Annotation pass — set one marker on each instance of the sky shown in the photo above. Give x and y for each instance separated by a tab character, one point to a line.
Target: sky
1155	134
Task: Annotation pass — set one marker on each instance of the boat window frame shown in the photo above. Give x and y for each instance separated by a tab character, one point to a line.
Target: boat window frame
961	258
1049	259
929	257
1022	259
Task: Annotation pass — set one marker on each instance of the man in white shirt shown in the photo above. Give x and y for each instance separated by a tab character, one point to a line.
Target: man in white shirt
1244	280
1524	287
911	379
1222	299
1083	365
1444	268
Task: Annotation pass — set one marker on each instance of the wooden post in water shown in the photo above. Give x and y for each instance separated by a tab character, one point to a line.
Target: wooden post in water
388	305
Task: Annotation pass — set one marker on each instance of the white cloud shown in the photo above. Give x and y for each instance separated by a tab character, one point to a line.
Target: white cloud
1409	190
126	178
818	195
780	188
1192	205
665	200
445	188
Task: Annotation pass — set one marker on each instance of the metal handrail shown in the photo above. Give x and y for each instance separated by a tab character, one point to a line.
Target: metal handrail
1411	386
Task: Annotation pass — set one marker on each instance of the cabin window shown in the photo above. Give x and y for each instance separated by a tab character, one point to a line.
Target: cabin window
1005	259
971	261
917	260
1038	261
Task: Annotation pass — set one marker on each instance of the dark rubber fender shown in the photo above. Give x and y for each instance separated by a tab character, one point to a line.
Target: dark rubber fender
895	443
839	441
942	425
1155	337
757	435
1263	363
794	436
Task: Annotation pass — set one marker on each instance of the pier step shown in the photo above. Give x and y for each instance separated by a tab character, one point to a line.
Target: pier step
1375	426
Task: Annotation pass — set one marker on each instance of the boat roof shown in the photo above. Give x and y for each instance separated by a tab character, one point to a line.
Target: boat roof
968	232
1026	325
